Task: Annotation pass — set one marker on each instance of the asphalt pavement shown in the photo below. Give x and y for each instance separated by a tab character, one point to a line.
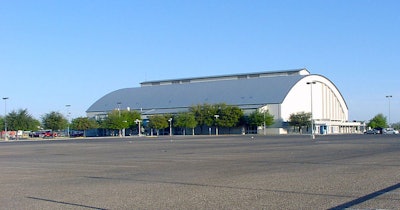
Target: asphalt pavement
202	172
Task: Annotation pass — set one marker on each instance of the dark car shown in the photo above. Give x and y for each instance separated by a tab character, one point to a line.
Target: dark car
371	131
77	134
34	134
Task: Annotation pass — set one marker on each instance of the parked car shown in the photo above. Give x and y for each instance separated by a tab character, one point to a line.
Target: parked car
390	131
76	133
34	134
373	131
49	134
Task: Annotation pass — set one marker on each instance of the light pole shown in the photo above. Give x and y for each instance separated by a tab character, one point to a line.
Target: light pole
5	118
137	121
312	120
216	125
170	126
264	123
68	115
119	117
119	109
389	97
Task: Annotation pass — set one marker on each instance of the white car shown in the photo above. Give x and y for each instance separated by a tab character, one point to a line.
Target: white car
390	131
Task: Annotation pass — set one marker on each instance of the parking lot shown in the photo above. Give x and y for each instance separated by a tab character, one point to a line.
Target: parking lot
202	172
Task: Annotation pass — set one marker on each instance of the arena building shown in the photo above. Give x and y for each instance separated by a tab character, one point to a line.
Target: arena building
282	93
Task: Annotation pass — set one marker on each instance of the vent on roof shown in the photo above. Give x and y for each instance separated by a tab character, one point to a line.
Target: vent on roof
254	75
227	77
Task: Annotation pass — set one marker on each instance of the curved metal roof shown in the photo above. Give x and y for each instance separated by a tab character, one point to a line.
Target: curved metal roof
240	92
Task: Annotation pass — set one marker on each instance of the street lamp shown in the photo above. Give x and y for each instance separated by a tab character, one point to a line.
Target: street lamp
312	120
137	121
119	109
5	118
216	126
389	97
264	123
170	126
68	115
119	116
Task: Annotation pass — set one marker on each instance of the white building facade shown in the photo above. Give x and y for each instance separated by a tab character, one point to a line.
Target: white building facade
319	96
282	93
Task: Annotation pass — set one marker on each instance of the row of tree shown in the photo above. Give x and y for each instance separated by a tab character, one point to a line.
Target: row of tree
208	115
220	115
22	120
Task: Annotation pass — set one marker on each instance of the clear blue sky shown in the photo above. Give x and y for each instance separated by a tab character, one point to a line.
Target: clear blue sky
54	53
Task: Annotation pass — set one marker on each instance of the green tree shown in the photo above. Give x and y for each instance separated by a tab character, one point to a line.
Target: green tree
258	118
116	120
228	116
120	119
204	114
83	123
379	121
300	119
130	117
21	120
185	120
158	122
54	121
220	114
2	123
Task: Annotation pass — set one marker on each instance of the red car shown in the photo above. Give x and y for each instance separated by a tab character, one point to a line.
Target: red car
49	134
